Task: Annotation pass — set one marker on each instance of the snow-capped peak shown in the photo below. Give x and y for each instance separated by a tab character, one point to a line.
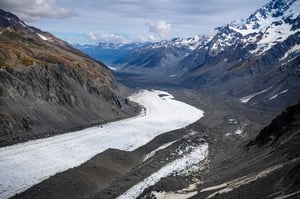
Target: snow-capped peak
267	26
274	11
190	43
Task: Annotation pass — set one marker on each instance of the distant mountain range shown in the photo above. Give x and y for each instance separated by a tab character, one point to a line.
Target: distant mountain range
241	59
146	58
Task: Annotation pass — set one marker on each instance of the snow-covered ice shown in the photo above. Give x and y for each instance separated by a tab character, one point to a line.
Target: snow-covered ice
197	155
26	164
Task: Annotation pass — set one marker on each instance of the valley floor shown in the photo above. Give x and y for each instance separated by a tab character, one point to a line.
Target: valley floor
35	161
116	172
206	159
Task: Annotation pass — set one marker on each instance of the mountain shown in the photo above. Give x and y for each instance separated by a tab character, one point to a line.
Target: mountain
266	167
268	28
48	87
161	58
255	60
258	56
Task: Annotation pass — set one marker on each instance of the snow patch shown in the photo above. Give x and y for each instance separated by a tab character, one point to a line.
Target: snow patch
294	50
293	12
231	185
173	195
220	186
22	24
249	97
238	131
152	153
273	35
188	192
288	195
42	37
276	95
24	165
112	68
232	121
197	155
236	183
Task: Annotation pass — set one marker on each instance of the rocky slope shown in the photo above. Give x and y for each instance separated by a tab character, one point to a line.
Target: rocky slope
267	167
48	87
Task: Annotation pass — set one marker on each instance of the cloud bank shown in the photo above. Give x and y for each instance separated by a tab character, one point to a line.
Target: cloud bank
161	28
106	38
130	20
31	10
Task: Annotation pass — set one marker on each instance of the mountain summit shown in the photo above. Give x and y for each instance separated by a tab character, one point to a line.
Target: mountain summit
258	54
48	86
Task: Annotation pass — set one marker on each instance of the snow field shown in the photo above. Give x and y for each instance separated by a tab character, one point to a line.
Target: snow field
26	164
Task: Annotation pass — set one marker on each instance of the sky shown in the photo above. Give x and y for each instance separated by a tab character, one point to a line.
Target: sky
94	21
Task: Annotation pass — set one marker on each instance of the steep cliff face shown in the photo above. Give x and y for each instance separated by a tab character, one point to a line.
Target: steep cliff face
48	87
284	130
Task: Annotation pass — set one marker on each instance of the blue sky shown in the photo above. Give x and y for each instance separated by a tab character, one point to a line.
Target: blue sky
92	21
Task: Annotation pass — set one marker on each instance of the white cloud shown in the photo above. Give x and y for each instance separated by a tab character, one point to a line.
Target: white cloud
113	38
145	38
91	36
31	10
161	28
181	18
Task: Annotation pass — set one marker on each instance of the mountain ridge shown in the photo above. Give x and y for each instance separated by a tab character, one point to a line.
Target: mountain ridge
276	20
148	57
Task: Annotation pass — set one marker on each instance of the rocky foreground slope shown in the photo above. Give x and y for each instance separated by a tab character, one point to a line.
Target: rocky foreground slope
48	87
